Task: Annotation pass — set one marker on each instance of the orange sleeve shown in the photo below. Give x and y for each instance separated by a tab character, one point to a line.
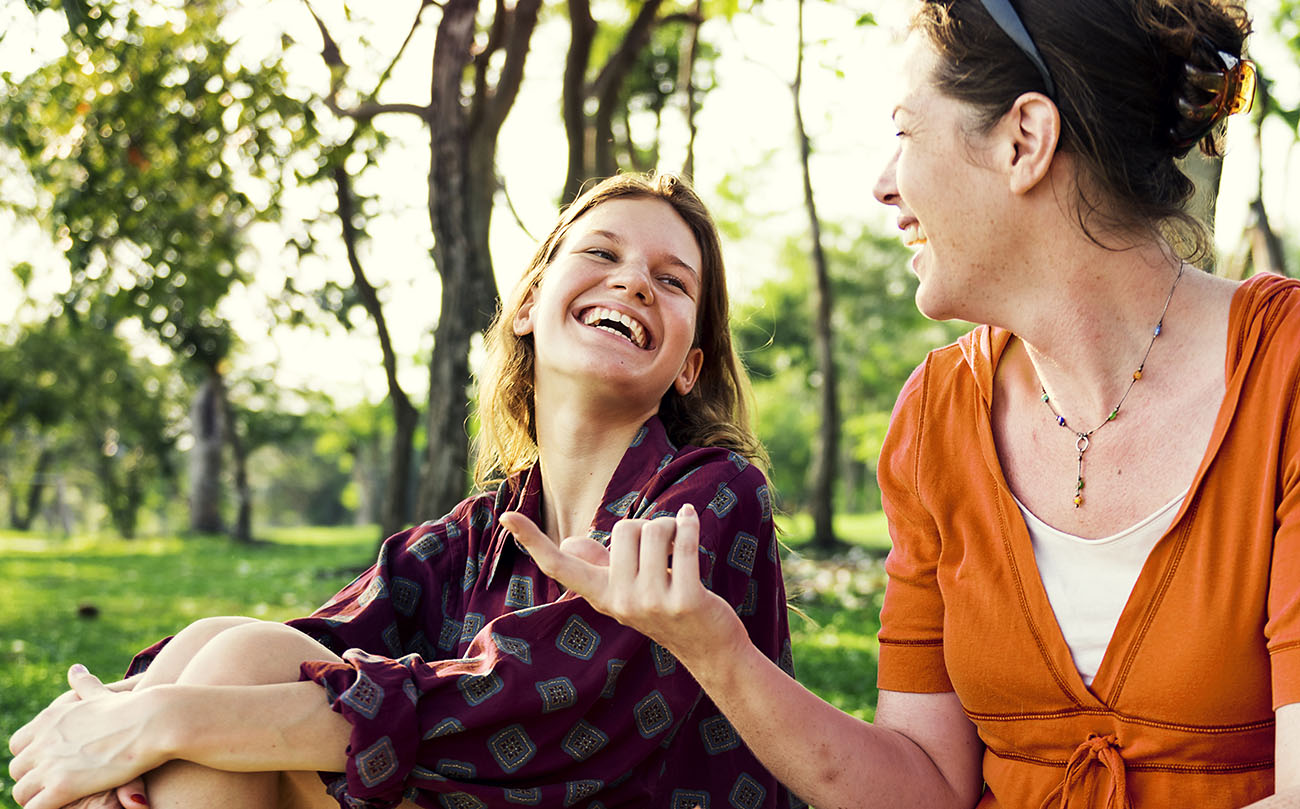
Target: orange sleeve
911	620
1283	627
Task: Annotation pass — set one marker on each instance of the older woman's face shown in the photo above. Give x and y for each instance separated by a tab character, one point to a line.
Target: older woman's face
946	195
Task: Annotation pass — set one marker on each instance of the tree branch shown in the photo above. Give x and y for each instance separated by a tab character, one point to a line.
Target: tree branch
622	59
519	34
369	296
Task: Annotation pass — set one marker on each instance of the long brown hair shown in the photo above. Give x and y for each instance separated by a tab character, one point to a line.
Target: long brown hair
1120	70
716	413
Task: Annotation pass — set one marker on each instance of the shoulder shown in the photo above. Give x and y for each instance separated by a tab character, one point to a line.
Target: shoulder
1265	332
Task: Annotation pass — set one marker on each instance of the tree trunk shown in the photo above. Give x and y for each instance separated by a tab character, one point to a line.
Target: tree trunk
827	450
686	80
22	521
207	426
243	528
462	183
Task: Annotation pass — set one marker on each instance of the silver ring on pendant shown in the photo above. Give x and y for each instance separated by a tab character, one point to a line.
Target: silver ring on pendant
1082	444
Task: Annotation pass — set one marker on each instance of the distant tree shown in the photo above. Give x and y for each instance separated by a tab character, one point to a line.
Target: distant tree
633	64
92	406
879	336
477	70
154	150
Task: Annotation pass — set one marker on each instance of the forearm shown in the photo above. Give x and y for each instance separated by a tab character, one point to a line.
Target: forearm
827	757
1286	799
252	728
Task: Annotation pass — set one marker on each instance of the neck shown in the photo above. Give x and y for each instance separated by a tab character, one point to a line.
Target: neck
1088	325
579	443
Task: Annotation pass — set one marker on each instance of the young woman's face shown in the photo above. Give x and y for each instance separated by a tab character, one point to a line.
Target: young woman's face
947	201
616	308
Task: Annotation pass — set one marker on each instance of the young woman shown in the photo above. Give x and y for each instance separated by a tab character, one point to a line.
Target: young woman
454	673
1094	594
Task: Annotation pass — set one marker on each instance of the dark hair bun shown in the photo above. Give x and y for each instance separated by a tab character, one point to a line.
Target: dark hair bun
1138	83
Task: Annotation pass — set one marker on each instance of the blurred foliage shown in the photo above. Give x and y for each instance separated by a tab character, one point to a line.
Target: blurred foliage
70	400
880	337
153	149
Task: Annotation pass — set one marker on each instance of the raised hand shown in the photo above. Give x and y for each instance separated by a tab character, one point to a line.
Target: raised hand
83	747
632	582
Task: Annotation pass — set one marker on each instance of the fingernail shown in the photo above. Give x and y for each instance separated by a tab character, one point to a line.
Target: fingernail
686	510
77	668
140	799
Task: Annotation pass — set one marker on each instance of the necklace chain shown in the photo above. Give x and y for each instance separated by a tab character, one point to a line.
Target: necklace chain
1082	439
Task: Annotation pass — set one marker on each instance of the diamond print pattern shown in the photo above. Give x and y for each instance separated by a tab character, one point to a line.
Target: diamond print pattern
652	715
578	639
511	748
718	735
665	663
377	763
723	502
744	550
747	793
426	547
557	694
365	696
575	791
688	799
583	741
612	669
477	689
405	595
515	647
455	770
520	592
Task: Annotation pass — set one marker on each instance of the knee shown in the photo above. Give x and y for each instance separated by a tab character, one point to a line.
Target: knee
253	653
185	646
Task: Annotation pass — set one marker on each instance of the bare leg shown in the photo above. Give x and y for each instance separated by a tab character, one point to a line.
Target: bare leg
244	653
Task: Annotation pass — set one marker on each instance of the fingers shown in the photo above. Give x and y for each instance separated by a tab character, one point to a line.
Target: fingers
656	543
85	684
686	554
132	795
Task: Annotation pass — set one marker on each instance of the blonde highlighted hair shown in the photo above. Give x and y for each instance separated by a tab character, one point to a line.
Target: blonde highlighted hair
716	413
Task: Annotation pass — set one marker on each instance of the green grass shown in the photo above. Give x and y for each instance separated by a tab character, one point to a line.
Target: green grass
145	589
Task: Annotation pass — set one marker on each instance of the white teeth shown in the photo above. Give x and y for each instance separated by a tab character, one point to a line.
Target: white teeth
914	235
594	315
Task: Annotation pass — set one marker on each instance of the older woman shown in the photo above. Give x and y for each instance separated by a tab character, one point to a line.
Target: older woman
1094	594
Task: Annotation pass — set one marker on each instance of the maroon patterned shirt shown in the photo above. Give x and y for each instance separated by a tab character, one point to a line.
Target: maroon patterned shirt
472	680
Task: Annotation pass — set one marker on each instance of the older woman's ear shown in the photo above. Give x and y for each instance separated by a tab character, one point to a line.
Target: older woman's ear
1032	128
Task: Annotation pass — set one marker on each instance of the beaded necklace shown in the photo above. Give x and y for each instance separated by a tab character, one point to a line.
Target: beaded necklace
1082	439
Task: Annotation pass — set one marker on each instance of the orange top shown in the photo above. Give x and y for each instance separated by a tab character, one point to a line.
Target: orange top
1181	710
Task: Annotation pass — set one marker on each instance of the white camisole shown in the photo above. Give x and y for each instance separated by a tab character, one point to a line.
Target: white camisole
1088	581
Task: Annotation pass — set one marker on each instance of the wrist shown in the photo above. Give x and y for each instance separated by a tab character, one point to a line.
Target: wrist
716	660
167	718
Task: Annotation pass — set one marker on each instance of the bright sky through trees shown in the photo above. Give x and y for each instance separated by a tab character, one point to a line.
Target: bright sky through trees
745	139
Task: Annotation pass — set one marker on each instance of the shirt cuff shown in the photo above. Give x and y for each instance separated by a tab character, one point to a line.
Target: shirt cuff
378	697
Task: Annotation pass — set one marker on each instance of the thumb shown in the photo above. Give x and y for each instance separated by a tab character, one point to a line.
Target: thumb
85	684
588	550
579	572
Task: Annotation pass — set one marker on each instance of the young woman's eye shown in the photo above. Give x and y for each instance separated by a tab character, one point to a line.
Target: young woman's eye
673	280
600	252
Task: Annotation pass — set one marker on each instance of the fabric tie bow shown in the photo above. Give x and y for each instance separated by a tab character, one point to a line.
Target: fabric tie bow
1095	751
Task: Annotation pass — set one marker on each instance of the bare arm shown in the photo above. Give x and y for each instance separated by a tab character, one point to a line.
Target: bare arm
922	751
105	739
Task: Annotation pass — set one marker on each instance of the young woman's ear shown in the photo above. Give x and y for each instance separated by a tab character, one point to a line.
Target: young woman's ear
690	373
1033	128
523	320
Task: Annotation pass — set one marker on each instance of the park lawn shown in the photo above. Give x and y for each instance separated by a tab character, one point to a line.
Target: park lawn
97	601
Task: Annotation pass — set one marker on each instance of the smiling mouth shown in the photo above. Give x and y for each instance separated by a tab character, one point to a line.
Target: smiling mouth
914	235
598	317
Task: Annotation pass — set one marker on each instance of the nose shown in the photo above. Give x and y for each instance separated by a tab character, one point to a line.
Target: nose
886	190
633	276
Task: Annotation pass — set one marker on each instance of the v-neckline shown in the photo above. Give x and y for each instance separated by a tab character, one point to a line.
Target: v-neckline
1160	565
